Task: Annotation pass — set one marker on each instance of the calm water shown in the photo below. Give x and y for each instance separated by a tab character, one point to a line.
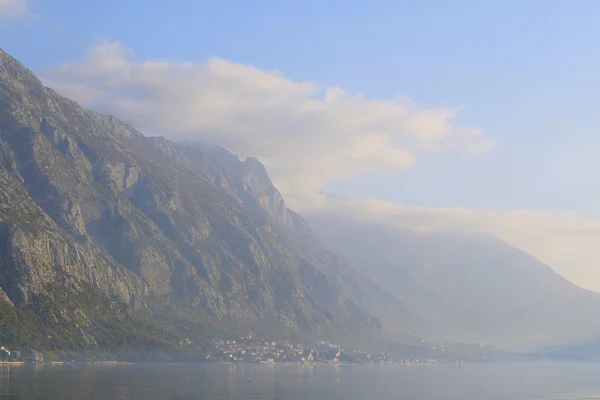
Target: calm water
184	382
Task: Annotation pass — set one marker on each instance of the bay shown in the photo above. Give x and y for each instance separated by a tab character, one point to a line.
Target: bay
236	382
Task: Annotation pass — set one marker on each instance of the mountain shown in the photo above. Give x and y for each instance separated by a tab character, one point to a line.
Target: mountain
111	241
184	231
466	287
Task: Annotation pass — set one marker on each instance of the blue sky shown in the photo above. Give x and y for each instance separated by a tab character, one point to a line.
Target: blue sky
526	72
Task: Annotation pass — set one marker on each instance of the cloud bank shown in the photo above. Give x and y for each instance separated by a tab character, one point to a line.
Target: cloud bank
306	135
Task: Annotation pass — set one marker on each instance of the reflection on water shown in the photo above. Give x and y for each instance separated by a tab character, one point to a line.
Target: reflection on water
199	382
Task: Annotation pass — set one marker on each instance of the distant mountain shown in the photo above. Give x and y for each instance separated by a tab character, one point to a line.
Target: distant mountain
182	230
466	287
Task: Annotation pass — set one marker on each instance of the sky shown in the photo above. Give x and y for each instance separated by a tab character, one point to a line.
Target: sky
484	113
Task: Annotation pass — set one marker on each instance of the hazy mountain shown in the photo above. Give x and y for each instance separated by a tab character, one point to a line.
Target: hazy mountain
467	287
89	203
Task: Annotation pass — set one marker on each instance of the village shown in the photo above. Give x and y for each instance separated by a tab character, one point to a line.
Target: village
257	350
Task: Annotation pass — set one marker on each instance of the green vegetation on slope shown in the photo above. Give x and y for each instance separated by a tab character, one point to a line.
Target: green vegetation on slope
86	325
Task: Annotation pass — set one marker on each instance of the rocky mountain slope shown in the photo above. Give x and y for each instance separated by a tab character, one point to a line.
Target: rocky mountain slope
466	287
88	201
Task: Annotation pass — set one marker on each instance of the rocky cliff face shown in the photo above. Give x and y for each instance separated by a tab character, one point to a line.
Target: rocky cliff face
87	199
37	254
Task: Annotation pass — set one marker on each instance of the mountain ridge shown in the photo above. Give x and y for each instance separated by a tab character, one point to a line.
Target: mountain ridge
189	236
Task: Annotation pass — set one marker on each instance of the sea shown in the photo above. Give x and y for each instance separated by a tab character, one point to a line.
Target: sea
326	382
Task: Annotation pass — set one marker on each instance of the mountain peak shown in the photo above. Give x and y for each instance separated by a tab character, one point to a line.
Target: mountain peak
15	73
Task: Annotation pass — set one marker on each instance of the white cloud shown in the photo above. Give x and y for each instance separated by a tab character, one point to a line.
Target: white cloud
13	8
306	135
564	240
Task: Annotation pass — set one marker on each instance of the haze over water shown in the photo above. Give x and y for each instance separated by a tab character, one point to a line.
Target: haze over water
199	382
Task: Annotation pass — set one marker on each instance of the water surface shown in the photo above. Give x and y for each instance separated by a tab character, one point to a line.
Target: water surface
213	382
